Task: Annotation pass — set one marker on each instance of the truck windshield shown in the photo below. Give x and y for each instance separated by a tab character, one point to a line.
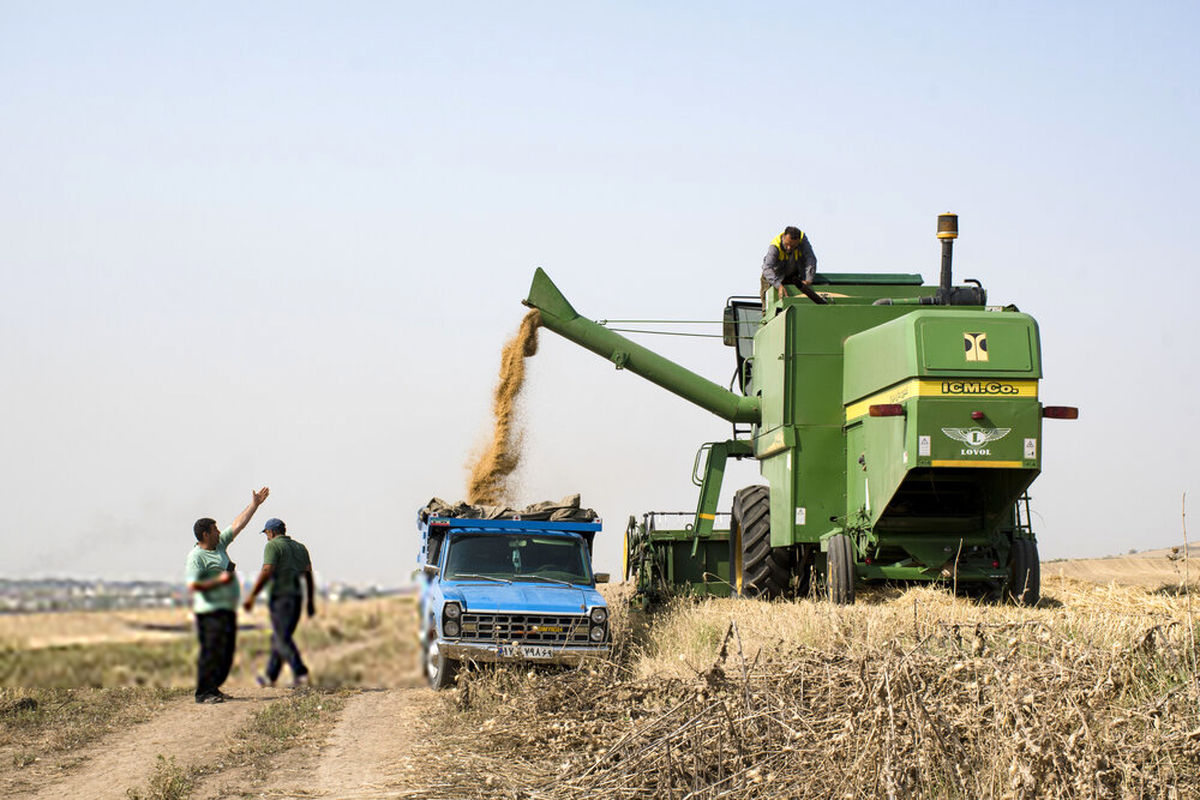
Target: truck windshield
501	555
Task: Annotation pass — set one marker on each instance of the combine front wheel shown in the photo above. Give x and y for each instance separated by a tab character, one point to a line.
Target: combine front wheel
756	568
841	570
1024	573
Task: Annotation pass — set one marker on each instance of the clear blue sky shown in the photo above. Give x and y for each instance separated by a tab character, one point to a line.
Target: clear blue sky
283	243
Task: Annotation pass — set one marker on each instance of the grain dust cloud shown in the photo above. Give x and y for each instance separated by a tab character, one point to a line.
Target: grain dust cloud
488	484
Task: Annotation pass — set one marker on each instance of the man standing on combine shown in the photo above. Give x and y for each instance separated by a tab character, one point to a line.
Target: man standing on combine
285	562
210	578
789	259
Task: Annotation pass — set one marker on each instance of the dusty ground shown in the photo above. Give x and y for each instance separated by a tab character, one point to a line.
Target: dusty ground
365	749
380	742
1152	569
32	631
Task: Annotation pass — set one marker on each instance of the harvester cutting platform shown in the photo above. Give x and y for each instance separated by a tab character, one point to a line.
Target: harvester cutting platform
897	424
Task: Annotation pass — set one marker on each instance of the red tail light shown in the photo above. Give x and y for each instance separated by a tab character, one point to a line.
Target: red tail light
1060	412
887	410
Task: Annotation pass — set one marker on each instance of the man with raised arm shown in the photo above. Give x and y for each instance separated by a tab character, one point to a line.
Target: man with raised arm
214	587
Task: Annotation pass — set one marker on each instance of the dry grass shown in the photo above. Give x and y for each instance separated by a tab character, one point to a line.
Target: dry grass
293	721
907	694
171	662
37	724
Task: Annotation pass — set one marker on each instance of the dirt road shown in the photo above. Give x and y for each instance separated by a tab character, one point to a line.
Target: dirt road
371	752
127	758
368	754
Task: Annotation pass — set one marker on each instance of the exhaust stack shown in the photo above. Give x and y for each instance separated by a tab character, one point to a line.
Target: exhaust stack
947	231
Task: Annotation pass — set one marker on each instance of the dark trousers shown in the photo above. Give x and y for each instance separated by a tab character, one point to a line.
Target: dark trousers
285	616
217	631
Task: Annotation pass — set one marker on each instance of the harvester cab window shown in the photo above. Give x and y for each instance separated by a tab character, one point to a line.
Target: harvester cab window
743	316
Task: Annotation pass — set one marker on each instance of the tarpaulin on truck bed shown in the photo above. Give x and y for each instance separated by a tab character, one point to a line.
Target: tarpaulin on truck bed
565	510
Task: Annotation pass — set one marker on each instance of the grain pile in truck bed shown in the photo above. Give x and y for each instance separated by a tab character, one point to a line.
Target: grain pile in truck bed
566	510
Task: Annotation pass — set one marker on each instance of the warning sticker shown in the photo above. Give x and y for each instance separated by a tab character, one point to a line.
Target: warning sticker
799	516
924	447
1030	449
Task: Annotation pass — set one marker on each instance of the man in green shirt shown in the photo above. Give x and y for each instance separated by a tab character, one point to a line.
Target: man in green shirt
285	562
210	578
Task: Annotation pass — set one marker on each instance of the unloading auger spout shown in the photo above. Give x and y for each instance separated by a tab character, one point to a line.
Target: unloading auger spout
558	315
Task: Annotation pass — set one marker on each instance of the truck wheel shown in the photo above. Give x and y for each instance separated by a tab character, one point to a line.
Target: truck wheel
841	570
756	568
1024	573
439	669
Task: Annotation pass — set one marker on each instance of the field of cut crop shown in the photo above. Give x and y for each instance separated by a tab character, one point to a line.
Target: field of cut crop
909	693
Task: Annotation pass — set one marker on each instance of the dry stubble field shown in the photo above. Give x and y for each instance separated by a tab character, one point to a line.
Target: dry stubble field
909	693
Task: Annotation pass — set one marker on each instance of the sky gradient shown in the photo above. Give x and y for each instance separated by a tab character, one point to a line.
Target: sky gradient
283	244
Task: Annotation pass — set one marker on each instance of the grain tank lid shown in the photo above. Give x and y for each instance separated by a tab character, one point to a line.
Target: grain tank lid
567	509
869	279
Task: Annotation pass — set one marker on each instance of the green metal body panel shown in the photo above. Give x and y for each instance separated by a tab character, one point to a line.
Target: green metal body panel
716	454
930	343
674	561
558	315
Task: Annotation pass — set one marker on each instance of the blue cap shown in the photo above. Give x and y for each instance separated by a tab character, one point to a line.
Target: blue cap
274	524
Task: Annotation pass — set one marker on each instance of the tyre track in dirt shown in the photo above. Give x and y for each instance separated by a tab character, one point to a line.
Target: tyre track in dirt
184	730
371	753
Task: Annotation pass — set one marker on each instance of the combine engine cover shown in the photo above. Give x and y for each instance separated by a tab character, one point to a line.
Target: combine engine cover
943	427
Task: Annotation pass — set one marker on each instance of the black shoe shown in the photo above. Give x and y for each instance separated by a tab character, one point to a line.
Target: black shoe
222	695
209	699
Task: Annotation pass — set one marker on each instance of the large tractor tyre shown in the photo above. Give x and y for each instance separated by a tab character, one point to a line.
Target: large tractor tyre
439	669
756	568
1024	573
841	570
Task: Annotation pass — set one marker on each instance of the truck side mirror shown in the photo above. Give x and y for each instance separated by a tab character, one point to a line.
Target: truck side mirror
601	577
430	569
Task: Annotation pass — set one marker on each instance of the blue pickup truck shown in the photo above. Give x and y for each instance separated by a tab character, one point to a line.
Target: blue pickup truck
508	590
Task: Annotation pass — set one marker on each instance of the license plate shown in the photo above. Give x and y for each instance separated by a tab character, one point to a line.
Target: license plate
526	651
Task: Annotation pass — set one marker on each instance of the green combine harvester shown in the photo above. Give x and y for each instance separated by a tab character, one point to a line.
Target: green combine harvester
897	425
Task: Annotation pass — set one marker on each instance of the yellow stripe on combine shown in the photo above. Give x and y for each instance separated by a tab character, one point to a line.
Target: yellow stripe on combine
958	388
708	516
999	464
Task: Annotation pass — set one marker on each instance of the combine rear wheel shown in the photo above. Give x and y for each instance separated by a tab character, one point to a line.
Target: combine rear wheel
439	669
1024	573
756	568
841	573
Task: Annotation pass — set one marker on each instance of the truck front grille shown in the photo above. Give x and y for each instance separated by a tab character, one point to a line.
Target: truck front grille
556	629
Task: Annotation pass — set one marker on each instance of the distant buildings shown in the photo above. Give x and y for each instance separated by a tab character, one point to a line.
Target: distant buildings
68	594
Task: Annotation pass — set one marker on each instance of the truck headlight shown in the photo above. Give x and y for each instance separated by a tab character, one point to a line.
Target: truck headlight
452	610
599	615
450	627
597	633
